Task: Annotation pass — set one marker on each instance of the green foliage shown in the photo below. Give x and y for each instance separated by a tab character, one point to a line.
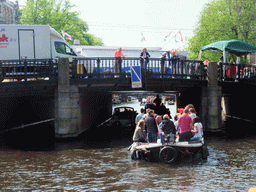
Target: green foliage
223	20
58	14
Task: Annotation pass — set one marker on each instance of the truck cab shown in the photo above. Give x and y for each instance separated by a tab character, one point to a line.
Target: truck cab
60	48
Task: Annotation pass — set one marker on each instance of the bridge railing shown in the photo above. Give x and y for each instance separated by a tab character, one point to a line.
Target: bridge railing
110	68
236	72
154	68
28	69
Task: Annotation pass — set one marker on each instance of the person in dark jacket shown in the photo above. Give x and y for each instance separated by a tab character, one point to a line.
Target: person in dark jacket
144	56
144	59
167	126
151	127
163	58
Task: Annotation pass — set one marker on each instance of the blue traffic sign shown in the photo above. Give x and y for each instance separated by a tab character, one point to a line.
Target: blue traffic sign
136	77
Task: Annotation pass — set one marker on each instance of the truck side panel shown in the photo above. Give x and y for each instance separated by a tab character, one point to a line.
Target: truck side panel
26	44
42	42
24	41
8	43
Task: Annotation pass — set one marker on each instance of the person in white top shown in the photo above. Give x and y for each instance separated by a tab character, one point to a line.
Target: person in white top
197	129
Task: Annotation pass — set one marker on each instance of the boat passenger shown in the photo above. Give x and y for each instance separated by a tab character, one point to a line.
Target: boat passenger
192	113
158	119
167	126
198	129
139	135
176	118
157	101
185	123
140	116
189	106
151	127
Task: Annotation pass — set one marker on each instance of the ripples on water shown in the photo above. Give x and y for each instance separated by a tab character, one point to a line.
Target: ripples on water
73	166
105	165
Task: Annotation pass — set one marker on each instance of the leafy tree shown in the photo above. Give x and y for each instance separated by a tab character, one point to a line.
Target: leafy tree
223	20
58	14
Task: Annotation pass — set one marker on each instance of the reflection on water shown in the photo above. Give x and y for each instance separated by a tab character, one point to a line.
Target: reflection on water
88	164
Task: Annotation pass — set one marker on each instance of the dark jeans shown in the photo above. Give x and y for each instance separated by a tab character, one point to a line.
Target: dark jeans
185	136
143	66
118	65
152	137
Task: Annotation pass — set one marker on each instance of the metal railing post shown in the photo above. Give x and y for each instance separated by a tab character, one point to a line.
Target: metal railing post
182	70
1	72
221	71
25	69
98	67
239	68
73	69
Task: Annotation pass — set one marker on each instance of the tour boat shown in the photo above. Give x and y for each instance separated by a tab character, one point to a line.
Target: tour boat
169	152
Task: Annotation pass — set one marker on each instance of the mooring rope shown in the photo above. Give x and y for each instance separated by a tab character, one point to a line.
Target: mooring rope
234	117
27	125
103	122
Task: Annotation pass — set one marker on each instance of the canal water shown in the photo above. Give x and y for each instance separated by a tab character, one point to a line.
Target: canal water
96	162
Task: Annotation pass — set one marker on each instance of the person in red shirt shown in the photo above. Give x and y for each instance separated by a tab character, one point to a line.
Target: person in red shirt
118	55
185	123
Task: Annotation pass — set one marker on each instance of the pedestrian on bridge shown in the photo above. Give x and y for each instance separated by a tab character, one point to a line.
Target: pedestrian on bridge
118	63
163	58
144	59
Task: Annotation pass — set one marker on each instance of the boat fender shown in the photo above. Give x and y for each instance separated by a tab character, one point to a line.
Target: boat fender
135	155
168	154
205	152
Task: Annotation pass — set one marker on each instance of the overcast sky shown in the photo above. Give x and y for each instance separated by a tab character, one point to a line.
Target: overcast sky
122	22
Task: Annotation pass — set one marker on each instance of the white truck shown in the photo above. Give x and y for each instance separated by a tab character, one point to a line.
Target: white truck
31	42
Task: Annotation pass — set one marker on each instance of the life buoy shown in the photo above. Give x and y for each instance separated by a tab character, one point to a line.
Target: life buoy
168	154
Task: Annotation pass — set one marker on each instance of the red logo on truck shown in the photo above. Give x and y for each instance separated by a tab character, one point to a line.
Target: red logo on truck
3	38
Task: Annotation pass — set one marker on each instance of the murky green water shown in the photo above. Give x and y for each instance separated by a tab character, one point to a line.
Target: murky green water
84	164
